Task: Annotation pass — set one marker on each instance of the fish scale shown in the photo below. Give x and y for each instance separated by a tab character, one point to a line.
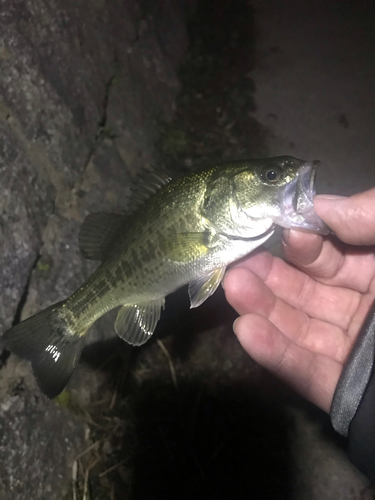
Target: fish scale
180	232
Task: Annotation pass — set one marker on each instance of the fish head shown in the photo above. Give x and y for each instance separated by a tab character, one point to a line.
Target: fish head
296	200
254	195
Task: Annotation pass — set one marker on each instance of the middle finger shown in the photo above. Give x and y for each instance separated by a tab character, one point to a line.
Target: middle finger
330	261
247	293
335	305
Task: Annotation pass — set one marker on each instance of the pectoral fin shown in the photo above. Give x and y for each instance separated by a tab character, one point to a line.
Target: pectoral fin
186	247
203	287
136	323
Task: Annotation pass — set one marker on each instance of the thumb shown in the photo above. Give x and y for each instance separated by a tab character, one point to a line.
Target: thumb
352	219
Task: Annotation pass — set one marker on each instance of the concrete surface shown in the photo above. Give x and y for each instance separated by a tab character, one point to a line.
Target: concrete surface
315	92
315	86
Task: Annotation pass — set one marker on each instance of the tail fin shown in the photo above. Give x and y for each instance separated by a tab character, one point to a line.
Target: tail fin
53	354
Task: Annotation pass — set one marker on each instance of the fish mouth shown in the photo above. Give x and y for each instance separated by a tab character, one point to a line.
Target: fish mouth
298	207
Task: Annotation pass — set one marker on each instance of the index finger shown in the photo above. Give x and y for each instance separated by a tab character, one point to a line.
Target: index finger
335	305
331	261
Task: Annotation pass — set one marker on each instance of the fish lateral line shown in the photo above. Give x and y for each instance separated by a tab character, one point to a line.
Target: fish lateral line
178	232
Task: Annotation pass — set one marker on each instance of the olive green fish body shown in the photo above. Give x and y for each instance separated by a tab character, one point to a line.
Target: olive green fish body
167	244
187	231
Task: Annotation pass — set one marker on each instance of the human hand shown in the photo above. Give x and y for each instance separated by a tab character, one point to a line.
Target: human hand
300	320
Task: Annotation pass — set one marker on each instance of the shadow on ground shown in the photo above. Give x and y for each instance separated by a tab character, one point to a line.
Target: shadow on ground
201	442
190	415
202	436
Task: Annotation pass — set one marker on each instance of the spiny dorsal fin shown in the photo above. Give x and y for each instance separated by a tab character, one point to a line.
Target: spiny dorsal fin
146	183
98	232
136	323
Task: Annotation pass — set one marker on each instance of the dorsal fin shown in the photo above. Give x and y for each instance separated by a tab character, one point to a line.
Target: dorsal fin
99	230
98	233
146	183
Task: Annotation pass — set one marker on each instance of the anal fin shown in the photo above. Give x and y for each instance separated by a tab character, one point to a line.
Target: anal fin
204	286
136	323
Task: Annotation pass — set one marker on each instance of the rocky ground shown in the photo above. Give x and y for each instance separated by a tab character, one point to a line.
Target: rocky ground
83	87
188	415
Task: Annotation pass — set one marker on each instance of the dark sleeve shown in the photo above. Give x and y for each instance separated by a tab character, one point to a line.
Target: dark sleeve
353	405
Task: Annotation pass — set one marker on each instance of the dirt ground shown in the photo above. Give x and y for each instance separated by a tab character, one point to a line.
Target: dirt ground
190	415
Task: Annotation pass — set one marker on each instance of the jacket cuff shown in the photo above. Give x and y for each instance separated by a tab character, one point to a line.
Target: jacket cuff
353	405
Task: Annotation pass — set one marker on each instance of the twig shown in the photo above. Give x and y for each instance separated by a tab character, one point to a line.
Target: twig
87	450
196	408
92	422
106	361
86	481
98	403
118	386
80	468
107	471
170	362
74	479
85	485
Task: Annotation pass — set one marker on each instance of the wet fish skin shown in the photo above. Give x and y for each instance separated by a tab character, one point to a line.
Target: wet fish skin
187	231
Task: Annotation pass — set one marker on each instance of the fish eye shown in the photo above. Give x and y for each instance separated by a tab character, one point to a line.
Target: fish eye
272	175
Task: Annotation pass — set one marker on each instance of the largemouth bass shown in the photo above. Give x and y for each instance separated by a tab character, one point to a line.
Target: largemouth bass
183	231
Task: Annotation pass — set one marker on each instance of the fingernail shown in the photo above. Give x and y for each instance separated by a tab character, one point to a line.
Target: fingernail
323	203
234	326
286	235
329	197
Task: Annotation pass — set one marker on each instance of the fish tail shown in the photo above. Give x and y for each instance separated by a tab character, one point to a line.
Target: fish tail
44	339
